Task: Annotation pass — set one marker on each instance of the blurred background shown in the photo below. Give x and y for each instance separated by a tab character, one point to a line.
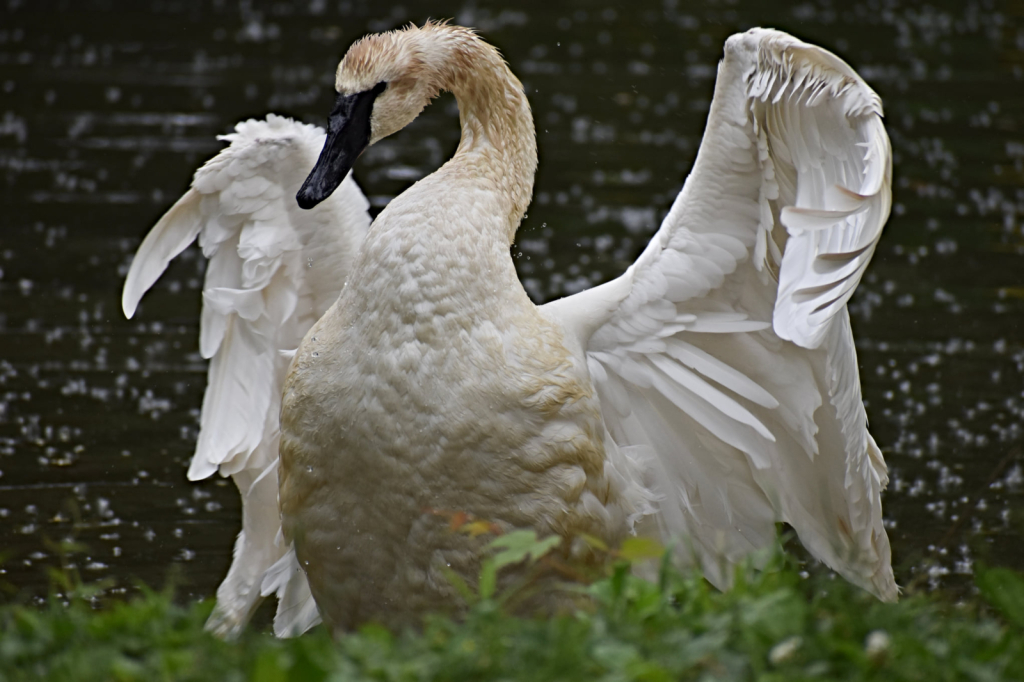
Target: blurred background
108	107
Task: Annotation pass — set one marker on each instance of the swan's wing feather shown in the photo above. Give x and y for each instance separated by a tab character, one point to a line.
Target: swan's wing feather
273	270
725	351
170	236
841	162
296	608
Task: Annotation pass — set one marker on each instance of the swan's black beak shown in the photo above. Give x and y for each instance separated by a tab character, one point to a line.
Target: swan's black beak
348	134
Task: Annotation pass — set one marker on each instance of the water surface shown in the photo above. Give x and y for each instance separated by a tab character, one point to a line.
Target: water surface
108	107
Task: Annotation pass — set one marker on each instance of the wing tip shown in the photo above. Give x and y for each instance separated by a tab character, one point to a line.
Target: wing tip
129	301
760	46
201	468
878	579
134	289
175	230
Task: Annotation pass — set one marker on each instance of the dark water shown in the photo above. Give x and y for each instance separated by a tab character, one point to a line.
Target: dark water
108	107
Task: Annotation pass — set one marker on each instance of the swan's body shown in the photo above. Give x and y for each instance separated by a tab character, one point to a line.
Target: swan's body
707	393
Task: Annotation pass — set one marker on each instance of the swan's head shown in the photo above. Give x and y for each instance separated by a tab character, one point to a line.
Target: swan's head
383	83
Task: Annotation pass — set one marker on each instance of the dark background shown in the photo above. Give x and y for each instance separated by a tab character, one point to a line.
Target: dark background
106	108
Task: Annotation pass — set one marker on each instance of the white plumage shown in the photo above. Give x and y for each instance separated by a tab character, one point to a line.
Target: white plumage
274	270
795	161
707	393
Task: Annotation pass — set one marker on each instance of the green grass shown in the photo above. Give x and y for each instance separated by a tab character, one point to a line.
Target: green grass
773	625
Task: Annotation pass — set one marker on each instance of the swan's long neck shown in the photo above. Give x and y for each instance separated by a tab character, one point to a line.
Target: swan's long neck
436	261
498	137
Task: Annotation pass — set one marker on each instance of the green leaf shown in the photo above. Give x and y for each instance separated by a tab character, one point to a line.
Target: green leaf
488	579
269	667
594	541
640	549
544	546
520	544
777	615
1003	589
456	581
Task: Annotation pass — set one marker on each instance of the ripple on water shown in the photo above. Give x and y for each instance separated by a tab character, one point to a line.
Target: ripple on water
102	126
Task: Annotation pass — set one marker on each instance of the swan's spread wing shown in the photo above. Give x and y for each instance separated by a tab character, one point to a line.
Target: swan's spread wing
725	353
826	171
273	271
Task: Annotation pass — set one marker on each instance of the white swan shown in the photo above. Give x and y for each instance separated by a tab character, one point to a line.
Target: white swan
705	394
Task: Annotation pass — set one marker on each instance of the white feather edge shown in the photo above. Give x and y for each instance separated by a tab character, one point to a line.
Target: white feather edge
296	608
170	236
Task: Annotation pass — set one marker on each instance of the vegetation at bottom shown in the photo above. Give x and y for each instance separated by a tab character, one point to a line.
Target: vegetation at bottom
773	625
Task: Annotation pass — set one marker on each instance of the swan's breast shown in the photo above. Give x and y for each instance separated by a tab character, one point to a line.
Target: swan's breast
410	400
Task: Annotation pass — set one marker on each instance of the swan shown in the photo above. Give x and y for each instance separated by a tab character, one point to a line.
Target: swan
363	376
